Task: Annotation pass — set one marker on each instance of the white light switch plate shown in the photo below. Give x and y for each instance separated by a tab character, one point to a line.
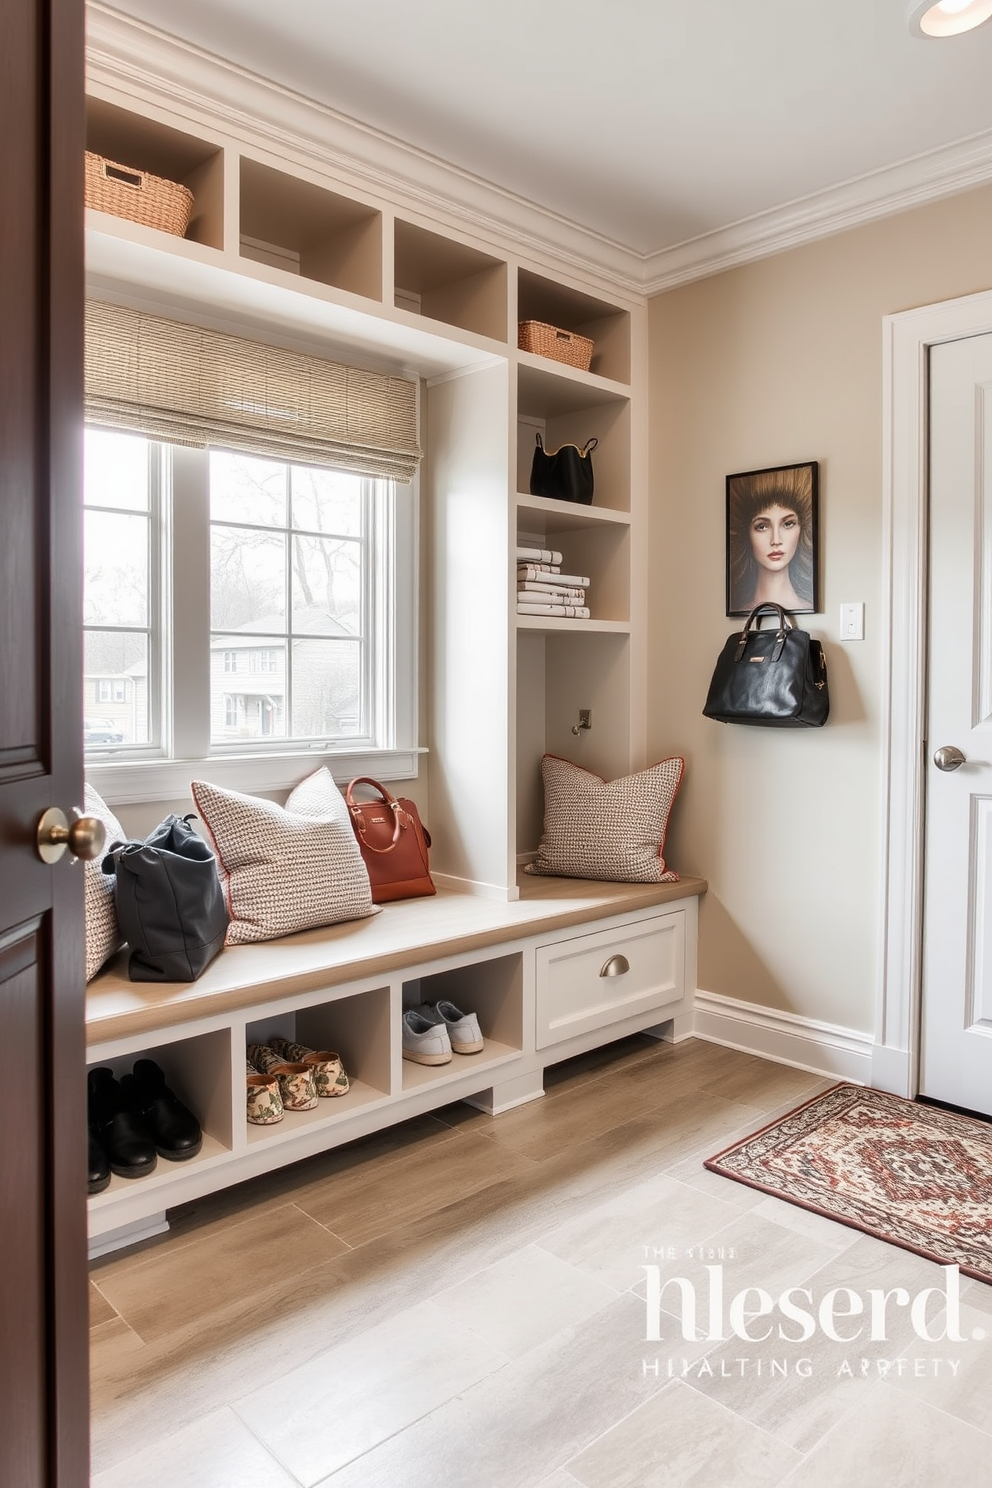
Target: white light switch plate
852	622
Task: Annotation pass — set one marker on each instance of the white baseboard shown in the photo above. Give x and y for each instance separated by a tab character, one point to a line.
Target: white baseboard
804	1043
892	1070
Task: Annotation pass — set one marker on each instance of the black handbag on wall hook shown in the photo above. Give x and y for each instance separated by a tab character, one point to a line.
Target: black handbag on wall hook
770	678
564	474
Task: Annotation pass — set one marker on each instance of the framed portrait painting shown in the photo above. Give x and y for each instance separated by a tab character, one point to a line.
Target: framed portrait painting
772	539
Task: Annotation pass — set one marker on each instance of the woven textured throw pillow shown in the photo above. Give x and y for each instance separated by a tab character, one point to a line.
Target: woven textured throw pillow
103	936
608	829
285	868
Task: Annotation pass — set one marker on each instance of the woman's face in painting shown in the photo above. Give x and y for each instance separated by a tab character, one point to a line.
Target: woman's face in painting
774	535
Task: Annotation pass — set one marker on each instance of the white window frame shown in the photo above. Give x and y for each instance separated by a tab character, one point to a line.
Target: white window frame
156	513
184	752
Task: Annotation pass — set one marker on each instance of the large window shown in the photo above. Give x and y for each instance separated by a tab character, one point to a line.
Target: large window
238	606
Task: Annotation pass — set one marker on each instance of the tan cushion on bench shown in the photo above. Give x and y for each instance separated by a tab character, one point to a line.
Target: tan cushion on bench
285	869
609	829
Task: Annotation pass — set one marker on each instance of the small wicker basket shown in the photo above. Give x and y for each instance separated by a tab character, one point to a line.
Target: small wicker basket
135	194
550	341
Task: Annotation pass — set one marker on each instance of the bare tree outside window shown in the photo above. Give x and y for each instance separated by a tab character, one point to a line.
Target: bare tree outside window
287	586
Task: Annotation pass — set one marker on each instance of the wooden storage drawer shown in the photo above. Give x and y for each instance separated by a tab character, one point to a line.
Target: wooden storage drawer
577	993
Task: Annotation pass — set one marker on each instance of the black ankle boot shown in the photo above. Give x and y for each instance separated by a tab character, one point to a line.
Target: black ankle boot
99	1167
174	1129
121	1132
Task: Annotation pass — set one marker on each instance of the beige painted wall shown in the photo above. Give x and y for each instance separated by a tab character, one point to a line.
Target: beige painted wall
769	364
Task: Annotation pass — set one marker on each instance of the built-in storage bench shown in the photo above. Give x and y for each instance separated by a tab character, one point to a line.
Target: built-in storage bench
569	965
296	246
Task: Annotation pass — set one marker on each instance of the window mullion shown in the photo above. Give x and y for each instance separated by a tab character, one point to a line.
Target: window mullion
190	618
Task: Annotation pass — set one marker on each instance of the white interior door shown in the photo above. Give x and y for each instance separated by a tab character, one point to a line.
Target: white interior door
956	1048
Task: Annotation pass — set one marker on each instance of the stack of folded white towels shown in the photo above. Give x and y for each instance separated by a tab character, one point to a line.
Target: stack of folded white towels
542	588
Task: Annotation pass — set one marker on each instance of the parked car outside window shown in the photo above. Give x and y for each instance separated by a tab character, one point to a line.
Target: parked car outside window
95	732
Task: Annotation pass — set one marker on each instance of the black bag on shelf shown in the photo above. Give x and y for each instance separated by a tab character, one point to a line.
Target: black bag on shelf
170	903
565	475
770	678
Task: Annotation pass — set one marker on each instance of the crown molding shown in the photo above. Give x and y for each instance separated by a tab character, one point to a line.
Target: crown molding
882	193
139	61
142	62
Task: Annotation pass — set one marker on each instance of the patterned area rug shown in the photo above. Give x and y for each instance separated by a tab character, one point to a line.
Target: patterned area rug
911	1175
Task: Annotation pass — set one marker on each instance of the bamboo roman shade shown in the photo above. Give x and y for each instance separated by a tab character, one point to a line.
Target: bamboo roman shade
196	387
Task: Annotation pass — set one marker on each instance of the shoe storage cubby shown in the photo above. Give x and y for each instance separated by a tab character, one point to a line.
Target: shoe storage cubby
146	145
493	990
307	230
540	298
564	407
449	281
198	1070
358	1028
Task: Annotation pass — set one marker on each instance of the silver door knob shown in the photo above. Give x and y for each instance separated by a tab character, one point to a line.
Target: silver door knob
948	757
84	836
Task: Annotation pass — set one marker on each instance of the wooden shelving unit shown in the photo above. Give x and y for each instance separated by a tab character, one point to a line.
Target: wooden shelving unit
321	261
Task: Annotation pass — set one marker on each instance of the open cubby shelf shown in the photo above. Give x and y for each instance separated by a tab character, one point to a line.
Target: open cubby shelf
145	144
305	229
608	422
449	281
558	304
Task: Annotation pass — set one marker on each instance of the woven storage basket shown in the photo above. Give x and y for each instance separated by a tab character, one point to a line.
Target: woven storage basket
135	194
549	341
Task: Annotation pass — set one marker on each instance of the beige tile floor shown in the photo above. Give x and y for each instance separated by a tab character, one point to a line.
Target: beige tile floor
460	1303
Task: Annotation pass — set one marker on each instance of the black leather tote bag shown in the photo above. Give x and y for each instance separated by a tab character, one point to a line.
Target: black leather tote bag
564	475
770	678
170	904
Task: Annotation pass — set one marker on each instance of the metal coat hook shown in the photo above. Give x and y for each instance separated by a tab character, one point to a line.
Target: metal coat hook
585	721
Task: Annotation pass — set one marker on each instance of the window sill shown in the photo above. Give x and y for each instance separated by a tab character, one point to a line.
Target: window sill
132	782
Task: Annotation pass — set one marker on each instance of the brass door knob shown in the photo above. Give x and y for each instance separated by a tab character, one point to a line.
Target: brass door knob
84	836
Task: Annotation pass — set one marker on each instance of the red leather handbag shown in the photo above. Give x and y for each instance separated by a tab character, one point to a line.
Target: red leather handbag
393	843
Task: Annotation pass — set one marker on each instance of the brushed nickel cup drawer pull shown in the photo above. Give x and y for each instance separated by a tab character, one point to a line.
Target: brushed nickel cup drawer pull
615	966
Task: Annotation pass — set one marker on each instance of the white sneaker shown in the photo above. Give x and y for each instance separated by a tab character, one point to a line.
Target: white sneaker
463	1028
425	1041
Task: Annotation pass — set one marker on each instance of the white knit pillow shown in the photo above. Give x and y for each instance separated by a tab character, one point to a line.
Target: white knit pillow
103	936
285	869
594	828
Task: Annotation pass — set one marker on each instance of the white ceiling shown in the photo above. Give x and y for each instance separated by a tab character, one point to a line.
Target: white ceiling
651	122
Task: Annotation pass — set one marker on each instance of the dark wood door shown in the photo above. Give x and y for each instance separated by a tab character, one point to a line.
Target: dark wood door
43	1364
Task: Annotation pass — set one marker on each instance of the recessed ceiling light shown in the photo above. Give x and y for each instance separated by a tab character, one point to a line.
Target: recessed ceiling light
947	17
